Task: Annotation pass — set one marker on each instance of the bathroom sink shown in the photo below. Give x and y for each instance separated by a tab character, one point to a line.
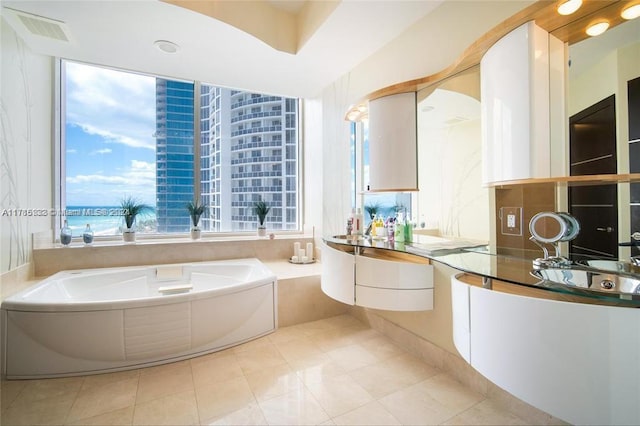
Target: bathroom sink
591	279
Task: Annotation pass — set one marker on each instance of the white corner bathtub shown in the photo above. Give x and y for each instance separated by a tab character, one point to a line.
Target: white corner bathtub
110	319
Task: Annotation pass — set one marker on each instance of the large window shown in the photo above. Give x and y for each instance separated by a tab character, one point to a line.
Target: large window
165	142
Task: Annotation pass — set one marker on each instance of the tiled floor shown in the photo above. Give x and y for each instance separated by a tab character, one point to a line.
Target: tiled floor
332	371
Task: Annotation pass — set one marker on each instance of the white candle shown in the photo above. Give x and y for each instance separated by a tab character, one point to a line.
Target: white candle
296	249
294	259
305	259
310	250
301	254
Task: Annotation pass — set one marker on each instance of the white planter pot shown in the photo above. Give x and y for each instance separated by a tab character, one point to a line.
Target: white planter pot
195	233
129	236
262	231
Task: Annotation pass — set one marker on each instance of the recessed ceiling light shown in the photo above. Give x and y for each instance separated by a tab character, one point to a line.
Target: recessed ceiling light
597	28
567	7
166	46
631	12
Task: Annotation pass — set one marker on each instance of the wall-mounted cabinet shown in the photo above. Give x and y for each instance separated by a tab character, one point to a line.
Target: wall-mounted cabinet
372	282
523	110
393	160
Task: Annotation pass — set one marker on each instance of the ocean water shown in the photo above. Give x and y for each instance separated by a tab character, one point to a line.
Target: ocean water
104	220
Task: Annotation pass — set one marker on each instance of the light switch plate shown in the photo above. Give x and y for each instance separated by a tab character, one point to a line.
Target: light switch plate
511	220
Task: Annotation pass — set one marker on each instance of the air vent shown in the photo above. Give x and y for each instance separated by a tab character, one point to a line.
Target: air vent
39	25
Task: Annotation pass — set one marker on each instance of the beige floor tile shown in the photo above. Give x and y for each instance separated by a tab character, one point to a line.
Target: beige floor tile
372	414
264	358
286	334
46	411
392	374
121	417
219	399
295	408
98	380
250	415
215	368
49	388
163	368
343	321
253	345
339	394
352	357
273	382
10	390
486	412
98	400
381	347
449	392
176	409
161	382
316	368
430	402
314	327
297	348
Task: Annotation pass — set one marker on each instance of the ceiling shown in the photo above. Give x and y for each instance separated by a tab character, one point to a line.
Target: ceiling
322	40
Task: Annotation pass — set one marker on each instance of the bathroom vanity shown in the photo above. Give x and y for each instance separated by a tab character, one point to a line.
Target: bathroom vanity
567	350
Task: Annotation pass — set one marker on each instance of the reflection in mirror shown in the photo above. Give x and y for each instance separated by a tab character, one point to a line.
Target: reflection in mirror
451	201
600	69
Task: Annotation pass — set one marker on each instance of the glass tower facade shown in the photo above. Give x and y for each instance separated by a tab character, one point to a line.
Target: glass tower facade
174	154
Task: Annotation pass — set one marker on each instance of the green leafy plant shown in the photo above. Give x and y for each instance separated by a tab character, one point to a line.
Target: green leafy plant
132	207
372	209
261	209
196	209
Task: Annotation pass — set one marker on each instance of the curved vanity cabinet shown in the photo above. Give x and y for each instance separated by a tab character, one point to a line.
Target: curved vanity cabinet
338	271
578	362
374	280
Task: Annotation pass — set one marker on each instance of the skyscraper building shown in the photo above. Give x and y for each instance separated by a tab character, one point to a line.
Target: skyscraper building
174	154
248	151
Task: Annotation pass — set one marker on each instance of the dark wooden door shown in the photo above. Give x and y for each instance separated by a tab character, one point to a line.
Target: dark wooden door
633	90
592	138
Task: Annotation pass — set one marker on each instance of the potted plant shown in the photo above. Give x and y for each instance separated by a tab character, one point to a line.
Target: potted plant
132	207
196	209
260	209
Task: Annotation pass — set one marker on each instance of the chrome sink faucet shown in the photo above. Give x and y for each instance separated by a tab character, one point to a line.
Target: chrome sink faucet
635	260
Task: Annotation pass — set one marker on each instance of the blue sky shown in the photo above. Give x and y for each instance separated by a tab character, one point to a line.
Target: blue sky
110	148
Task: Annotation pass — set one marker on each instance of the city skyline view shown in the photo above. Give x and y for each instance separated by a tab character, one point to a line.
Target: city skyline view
133	135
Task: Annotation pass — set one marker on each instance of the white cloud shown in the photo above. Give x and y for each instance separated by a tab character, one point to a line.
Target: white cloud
72	151
118	106
139	174
101	151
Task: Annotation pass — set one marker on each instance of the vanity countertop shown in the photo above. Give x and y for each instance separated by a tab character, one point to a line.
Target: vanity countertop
475	257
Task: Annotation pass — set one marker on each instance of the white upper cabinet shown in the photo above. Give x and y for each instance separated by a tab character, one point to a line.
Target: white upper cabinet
522	93
393	160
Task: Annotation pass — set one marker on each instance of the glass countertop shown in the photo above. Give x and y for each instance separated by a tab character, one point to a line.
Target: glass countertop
476	257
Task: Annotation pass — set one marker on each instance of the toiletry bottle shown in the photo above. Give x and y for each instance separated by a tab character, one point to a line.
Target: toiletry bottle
65	234
358	222
374	230
391	230
87	235
408	231
399	229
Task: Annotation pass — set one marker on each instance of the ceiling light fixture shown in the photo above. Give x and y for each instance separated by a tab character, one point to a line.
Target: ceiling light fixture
567	7
166	46
597	28
631	12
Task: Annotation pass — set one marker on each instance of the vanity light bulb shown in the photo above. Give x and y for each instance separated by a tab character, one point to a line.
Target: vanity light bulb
569	6
597	28
631	12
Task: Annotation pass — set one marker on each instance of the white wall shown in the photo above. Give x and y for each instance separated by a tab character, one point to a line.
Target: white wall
25	130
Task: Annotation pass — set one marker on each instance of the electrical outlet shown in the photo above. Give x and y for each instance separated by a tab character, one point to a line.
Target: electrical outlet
511	220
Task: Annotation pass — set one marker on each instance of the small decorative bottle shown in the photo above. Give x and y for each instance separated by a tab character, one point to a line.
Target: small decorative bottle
65	234
87	235
399	229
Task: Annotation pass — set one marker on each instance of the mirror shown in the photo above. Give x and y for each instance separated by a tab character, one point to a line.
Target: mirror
598	71
451	198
